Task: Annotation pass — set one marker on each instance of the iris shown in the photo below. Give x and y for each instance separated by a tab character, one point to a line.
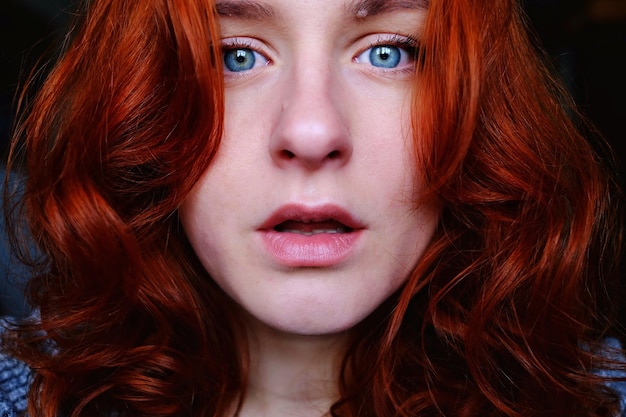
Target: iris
237	60
385	56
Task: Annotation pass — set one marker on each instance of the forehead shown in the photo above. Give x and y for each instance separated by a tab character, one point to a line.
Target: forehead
359	9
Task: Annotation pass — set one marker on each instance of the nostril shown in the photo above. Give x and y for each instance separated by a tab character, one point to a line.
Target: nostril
334	155
287	154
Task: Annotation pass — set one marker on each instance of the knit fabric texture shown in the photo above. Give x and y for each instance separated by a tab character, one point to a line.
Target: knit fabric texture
14	381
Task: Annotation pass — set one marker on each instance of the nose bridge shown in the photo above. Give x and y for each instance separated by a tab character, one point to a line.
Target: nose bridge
312	79
311	129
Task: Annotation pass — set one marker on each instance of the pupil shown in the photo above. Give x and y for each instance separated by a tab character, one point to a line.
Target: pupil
241	57
239	60
384	53
385	56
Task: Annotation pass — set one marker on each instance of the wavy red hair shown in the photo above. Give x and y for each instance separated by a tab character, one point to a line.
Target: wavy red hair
504	315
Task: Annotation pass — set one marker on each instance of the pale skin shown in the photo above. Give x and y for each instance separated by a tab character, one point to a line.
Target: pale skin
308	218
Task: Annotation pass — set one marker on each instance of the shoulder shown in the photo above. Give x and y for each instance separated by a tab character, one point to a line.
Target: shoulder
617	378
14	382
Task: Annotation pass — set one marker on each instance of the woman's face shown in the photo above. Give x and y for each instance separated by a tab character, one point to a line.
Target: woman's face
307	217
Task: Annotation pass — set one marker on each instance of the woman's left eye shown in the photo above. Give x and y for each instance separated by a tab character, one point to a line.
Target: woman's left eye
387	56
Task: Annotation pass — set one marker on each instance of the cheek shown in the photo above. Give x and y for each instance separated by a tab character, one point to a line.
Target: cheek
209	213
198	218
383	132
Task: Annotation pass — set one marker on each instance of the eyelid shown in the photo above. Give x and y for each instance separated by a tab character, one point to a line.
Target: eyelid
406	41
237	42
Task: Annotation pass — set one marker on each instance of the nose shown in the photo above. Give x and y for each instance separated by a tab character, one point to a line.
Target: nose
311	130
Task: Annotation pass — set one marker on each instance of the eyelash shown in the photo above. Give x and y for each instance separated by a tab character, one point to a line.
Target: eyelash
236	43
408	43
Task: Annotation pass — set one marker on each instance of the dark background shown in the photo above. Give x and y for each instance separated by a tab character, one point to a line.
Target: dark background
29	29
586	40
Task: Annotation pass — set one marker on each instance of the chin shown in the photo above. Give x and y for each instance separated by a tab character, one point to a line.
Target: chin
314	320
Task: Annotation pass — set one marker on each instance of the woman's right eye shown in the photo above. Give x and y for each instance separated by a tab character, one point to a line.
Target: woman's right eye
240	59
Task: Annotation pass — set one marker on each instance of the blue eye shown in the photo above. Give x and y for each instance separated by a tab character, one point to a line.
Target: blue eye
239	59
385	56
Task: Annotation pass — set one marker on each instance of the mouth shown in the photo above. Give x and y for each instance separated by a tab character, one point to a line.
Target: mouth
311	228
304	236
310	221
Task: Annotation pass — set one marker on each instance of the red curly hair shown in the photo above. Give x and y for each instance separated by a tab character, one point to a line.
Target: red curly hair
504	315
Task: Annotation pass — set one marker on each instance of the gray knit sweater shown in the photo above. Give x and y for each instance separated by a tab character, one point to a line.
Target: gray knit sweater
14	379
15	376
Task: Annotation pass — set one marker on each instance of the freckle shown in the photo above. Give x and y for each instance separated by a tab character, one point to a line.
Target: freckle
361	14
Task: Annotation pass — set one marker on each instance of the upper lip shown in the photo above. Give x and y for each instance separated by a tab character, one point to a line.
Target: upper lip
302	213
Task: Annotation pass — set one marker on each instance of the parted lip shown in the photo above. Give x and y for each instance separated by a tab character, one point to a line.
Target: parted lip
311	214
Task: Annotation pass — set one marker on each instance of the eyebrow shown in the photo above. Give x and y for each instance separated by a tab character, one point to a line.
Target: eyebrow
246	9
362	9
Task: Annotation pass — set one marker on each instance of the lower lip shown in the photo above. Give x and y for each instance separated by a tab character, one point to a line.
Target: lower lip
320	250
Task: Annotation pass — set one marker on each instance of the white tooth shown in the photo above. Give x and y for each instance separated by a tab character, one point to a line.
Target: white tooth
298	232
315	231
329	231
